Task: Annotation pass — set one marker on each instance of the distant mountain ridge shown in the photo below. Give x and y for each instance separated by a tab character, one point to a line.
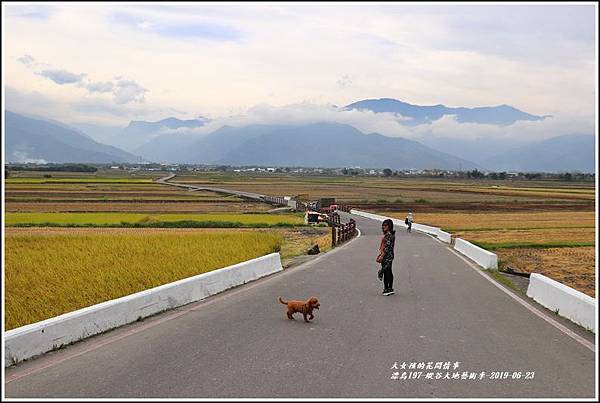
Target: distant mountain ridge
497	115
323	144
36	140
575	152
138	132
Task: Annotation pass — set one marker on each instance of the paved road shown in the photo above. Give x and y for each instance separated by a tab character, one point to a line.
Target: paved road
240	343
248	195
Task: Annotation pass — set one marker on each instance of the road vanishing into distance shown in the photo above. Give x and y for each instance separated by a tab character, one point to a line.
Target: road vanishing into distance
240	343
248	195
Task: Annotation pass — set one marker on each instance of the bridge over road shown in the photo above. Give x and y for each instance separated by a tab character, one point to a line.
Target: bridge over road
240	343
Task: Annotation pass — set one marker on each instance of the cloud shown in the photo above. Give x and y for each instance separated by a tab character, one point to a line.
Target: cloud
22	157
41	12
204	31
100	86
122	89
179	28
128	91
344	81
390	124
26	60
539	59
61	77
93	110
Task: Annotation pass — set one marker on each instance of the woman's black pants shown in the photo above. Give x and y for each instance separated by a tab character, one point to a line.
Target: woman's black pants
388	277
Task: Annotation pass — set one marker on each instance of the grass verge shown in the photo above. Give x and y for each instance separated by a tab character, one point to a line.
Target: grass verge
503	280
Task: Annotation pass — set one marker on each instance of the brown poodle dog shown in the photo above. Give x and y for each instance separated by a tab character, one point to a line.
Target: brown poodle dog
304	307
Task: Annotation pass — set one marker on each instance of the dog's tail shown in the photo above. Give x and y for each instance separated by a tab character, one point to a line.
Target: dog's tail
282	301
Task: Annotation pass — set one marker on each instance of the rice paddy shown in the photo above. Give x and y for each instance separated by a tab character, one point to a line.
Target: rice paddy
570	266
558	244
477	221
76	180
537	226
90	219
51	273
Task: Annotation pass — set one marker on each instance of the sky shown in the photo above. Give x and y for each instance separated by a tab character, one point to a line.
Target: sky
109	63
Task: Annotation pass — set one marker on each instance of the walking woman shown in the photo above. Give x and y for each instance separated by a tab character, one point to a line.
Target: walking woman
386	256
409	220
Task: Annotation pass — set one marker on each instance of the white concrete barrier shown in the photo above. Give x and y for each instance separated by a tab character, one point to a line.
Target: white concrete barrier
567	302
397	222
482	257
444	236
435	231
425	228
37	338
368	215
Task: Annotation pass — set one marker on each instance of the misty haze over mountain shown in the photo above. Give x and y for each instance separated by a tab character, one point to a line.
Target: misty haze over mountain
137	133
309	136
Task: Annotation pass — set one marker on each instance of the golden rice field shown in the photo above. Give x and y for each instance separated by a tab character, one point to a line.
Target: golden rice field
512	236
353	189
13	218
103	192
115	196
570	266
542	236
49	273
138	207
298	240
121	191
31	180
504	221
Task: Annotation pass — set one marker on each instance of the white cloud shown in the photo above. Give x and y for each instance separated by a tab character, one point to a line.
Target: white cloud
23	157
344	81
540	59
123	90
391	125
128	91
72	109
26	60
100	86
61	77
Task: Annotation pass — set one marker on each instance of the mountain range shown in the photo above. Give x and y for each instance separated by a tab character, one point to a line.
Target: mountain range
322	144
36	140
137	132
495	115
575	152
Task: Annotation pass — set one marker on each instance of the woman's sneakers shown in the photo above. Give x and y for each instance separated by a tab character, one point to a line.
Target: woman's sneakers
388	291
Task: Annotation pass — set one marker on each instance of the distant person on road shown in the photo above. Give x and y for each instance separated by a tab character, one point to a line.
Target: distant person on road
386	256
408	221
